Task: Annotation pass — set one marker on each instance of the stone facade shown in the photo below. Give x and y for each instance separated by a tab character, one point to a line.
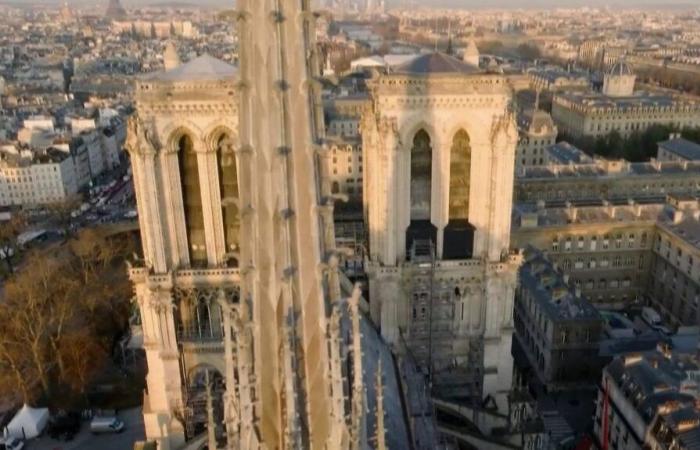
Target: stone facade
439	145
595	114
619	253
596	179
557	329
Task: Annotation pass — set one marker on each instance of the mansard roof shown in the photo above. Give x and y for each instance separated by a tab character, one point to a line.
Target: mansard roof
203	68
436	63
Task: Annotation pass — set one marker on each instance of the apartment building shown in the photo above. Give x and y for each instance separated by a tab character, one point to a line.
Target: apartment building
556	328
30	178
649	400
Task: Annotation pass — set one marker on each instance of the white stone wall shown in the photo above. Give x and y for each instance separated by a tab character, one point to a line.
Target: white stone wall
387	148
482	312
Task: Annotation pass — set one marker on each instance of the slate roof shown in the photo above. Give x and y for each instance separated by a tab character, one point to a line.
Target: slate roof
203	68
683	148
436	63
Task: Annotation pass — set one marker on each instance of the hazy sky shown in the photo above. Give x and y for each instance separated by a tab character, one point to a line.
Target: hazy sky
442	3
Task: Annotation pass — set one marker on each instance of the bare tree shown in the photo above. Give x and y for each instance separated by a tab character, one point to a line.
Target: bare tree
61	315
32	300
9	234
83	358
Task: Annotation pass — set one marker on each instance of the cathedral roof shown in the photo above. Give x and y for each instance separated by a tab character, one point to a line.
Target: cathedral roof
203	68
436	63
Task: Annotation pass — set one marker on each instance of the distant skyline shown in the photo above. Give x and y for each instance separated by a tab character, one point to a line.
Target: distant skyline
473	4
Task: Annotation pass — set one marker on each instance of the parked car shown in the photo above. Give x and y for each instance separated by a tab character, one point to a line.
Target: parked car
106	425
11	444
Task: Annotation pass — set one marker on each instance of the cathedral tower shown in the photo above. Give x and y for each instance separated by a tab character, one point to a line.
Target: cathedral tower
439	141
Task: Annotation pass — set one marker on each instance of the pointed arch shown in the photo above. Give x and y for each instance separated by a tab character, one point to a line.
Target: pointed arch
192	200
460	176
421	176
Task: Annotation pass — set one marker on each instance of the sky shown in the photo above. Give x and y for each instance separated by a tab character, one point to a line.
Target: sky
525	4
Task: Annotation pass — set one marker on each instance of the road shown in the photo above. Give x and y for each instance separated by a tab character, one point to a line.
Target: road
133	432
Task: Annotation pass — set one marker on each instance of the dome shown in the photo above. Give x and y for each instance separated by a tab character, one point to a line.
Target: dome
621	68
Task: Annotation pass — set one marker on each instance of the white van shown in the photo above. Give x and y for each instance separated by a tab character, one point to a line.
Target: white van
106	425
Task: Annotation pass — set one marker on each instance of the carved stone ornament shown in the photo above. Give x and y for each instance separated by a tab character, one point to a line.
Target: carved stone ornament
139	141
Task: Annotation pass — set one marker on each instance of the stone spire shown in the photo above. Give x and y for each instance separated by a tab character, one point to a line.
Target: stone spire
379	432
211	424
289	229
358	391
171	59
471	54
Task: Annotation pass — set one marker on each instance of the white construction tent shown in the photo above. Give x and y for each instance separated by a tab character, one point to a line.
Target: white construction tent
28	423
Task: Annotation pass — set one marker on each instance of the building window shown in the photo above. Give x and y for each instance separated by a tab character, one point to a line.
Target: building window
460	176
555	244
228	187
421	176
192	201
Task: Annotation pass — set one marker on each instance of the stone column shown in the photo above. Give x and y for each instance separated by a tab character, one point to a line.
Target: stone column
175	213
441	210
164	398
153	221
211	203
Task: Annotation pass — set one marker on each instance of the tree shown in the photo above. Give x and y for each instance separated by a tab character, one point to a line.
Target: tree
9	234
36	307
61	316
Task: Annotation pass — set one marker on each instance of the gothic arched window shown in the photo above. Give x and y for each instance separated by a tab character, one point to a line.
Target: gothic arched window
228	185
192	201
460	176
421	174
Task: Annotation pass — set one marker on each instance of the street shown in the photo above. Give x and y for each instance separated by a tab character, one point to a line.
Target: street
133	432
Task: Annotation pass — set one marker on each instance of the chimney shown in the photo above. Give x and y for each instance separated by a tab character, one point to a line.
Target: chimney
677	216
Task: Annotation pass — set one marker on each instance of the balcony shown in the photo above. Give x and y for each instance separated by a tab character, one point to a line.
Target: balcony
193	334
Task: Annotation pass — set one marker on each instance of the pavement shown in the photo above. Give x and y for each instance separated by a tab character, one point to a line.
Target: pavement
133	432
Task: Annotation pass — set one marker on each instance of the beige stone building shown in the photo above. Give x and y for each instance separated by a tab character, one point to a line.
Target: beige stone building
537	133
596	179
439	145
619	108
620	252
605	249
